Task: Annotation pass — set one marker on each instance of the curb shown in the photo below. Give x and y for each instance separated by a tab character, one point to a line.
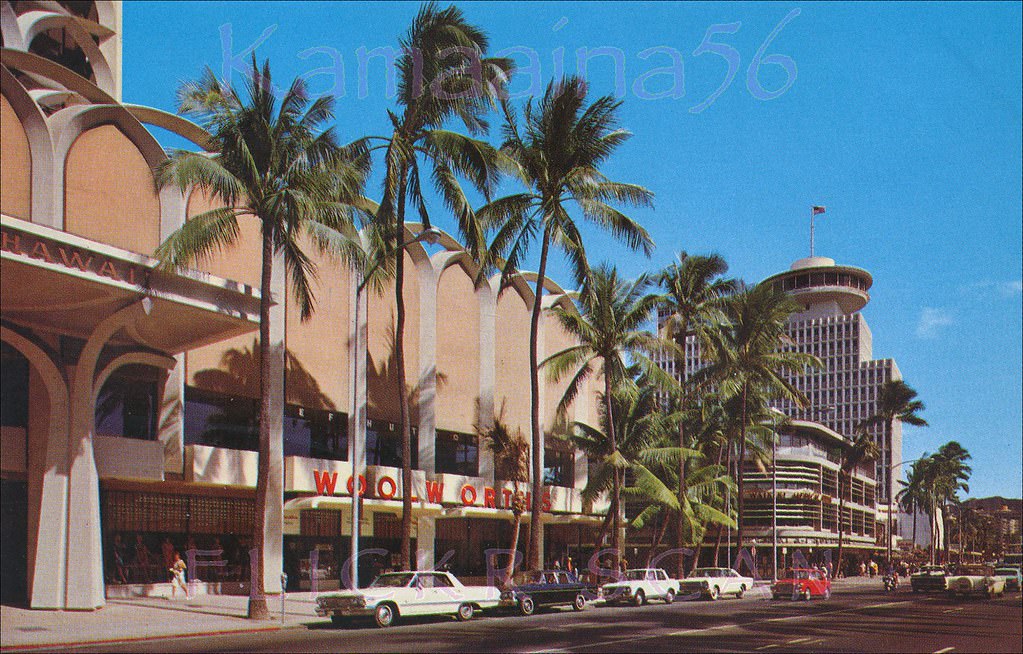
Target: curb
137	639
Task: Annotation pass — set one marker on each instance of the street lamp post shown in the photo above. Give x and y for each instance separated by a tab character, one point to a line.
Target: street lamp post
430	236
891	507
774	493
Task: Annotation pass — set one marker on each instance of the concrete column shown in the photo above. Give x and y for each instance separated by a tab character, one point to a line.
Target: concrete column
427	373
273	516
47	474
488	365
171	425
425	540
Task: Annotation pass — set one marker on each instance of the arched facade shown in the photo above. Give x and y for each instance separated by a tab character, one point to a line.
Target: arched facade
144	384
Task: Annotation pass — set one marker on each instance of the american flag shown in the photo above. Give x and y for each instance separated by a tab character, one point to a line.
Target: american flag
817	209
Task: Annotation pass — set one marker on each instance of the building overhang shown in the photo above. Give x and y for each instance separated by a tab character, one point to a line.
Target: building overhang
64	284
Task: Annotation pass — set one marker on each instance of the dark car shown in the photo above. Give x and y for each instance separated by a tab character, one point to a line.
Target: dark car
929	578
531	590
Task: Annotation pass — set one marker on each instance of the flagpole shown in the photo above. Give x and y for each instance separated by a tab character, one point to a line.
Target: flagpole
812	214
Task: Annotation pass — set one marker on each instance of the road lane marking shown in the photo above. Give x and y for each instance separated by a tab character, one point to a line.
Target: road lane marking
797	641
946	650
953	610
690	632
763	647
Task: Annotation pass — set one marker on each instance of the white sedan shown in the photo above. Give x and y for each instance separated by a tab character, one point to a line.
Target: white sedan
712	583
639	585
408	593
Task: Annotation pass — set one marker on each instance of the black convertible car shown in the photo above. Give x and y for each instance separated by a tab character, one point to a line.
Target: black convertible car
531	590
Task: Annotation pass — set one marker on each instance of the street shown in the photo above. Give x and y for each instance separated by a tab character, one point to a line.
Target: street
859	617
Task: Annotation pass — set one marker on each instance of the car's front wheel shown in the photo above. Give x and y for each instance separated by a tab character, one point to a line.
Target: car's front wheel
465	612
742	591
639	599
669	597
715	593
385	615
526	606
579	603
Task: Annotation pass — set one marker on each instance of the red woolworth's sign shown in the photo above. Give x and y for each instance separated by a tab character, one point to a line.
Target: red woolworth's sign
69	256
386	488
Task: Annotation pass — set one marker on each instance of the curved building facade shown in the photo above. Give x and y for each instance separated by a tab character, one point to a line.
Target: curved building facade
130	394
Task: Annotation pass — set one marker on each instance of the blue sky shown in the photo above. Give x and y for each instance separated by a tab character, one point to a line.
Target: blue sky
904	120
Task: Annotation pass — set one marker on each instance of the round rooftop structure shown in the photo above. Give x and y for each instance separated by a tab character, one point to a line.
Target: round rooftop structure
818	280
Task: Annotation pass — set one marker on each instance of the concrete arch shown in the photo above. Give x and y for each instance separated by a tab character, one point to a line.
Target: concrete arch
37	66
72	122
35	23
40	148
129	358
9	27
47	483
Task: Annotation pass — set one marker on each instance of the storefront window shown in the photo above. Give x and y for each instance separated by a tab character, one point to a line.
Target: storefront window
220	420
559	468
315	433
13	388
457	454
128	404
383	444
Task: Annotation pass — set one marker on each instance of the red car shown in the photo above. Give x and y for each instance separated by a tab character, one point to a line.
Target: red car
802	584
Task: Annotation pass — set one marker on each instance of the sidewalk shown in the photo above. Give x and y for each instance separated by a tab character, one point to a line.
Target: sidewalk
144	619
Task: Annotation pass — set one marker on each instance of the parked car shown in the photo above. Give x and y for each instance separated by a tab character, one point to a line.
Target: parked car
398	594
929	578
712	583
531	590
639	585
975	579
1012	577
802	584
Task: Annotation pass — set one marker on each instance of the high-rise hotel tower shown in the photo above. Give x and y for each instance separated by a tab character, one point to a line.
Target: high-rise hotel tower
845	391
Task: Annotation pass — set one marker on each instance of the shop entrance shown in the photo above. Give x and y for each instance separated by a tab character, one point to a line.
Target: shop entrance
14	542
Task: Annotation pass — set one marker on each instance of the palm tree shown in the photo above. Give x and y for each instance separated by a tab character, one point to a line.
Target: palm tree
558	154
607	326
951	476
914	495
511	458
863	449
896	400
442	75
638	425
747	359
271	160
694	291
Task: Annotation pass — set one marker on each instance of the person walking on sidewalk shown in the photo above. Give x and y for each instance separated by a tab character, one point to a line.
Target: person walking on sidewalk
178	579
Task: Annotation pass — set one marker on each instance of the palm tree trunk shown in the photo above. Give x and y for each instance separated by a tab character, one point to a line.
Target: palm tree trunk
510	570
258	609
841	524
740	472
914	524
535	526
683	396
616	479
721	528
659	535
399	364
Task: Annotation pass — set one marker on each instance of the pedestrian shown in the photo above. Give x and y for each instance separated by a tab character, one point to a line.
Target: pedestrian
568	565
167	548
863	568
177	571
120	552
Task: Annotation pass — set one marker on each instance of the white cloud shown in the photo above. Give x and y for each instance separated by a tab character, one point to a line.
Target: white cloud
932	321
989	287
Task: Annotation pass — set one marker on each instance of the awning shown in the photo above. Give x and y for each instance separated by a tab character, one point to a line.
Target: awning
55	281
338	502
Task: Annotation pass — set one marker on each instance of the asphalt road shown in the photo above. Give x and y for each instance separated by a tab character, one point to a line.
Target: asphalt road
861	619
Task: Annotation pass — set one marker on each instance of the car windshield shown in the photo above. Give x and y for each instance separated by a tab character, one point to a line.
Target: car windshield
395	580
528	578
975	570
932	570
705	572
635	575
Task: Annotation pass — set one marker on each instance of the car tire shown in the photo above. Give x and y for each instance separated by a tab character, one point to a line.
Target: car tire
385	615
806	595
669	597
465	612
715	593
527	606
639	599
579	603
742	591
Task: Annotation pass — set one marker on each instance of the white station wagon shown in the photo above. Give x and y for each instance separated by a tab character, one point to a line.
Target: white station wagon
639	585
396	594
712	583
